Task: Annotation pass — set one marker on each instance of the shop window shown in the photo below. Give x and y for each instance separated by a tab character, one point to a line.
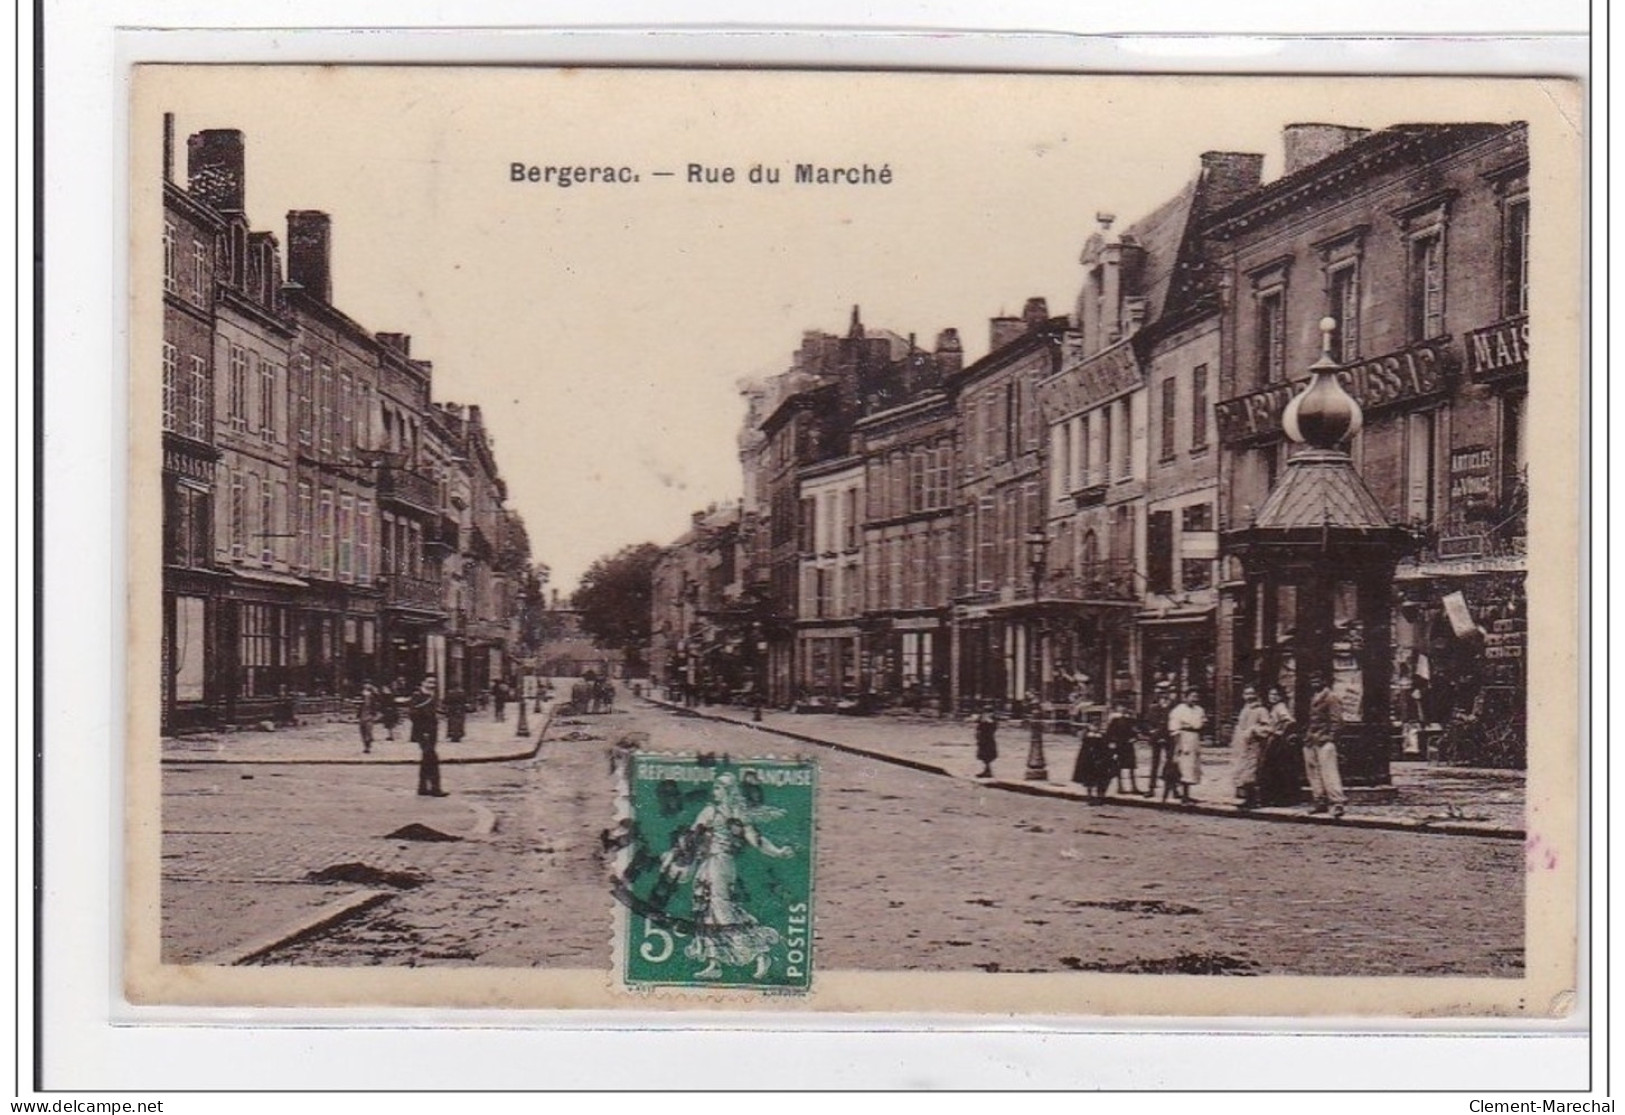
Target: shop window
260	648
1514	444
188	648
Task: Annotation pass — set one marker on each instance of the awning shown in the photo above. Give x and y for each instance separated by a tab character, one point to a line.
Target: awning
266	577
1176	615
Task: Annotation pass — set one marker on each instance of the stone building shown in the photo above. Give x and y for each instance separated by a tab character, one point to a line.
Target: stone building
1414	241
304	514
907	440
999	620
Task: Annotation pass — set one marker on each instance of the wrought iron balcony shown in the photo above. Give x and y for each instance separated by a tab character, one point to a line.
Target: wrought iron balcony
410	489
1115	581
413	592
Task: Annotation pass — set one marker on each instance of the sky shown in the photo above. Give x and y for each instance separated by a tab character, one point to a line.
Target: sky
604	329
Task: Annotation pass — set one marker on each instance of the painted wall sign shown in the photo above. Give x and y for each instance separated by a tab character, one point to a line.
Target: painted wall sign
1471	471
1108	373
1418	372
1499	350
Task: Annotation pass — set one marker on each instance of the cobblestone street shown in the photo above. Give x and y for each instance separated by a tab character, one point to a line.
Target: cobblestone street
915	871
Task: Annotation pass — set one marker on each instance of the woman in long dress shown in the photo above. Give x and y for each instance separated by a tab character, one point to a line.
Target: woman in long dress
1185	724
707	854
1246	746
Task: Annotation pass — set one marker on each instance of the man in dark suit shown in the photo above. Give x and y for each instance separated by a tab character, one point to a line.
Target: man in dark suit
423	710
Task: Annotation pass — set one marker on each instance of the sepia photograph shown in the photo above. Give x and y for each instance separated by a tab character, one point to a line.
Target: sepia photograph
1042	544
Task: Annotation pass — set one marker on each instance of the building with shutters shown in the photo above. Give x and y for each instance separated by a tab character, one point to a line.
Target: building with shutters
1414	241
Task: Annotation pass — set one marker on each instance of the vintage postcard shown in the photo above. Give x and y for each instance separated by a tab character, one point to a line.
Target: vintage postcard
794	541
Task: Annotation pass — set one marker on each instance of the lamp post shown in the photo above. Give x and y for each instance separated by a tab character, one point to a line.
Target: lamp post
523	728
1037	768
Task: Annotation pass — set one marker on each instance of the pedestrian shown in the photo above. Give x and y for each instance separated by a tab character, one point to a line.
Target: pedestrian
423	710
499	699
1185	724
1320	750
987	745
367	714
389	700
1246	747
1162	748
456	714
1093	770
1121	733
1280	770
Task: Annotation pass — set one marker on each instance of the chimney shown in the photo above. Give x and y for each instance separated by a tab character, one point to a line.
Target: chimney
310	247
1004	329
1035	313
1228	176
169	147
950	356
214	168
398	342
1307	144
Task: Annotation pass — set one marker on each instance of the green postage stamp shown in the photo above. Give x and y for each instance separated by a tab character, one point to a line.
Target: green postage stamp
713	864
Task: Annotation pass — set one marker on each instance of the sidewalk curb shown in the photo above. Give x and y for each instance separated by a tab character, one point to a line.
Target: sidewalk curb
539	735
321	920
1053	790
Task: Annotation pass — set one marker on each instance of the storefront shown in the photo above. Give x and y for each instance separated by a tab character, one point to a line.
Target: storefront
1178	653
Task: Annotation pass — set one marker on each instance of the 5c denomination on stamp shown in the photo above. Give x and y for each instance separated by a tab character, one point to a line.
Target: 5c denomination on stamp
713	864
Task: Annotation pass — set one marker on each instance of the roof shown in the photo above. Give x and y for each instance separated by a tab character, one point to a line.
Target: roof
1161	234
1362	157
1321	490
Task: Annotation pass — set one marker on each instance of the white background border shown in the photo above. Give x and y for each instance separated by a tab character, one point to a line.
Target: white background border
93	1042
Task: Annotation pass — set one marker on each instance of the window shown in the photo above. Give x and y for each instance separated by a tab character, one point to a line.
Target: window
346	537
346	416
850	518
198	416
1170	405
302	549
1199	408
324	532
281	508
1514	444
260	648
1061	450
1196	518
171	282
807	540
200	271
1515	258
1343	293
186	524
1012	419
1125	439
239	517
1419	467
325	408
1427	286
1106	413
1271	337
267	402
171	386
302	389
267	522
1195	573
1159	556
237	389
1086	464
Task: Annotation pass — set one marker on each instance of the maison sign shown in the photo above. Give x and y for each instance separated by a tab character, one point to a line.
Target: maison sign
1106	374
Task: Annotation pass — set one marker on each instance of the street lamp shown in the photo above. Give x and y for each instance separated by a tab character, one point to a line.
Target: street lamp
1037	768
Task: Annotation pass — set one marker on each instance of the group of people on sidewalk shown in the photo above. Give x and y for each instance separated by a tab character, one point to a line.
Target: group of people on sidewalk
423	708
1265	744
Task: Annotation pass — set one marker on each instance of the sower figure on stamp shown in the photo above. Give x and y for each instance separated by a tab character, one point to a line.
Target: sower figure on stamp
707	853
1320	750
423	711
